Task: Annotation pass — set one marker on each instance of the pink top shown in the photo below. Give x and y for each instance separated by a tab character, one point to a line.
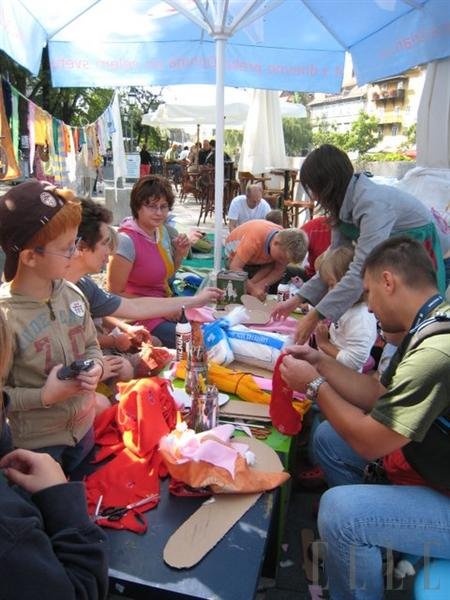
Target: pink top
152	266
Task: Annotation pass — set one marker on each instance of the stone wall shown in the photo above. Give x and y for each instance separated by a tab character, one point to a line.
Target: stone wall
395	169
121	208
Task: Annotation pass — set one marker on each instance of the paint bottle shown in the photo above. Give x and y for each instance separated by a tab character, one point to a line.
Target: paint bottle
283	290
183	336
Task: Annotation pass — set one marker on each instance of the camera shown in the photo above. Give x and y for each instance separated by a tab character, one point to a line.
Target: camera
74	369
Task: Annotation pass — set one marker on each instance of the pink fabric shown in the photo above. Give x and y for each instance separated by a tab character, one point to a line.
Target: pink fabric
202	315
152	266
281	326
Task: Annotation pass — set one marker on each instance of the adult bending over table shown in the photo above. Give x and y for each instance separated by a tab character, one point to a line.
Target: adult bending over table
264	250
363	212
147	257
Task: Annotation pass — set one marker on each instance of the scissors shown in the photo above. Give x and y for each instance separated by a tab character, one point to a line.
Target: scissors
115	513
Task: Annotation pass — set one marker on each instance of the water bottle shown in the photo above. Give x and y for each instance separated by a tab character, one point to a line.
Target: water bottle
183	336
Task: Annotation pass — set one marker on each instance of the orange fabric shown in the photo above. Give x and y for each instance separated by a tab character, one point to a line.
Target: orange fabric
131	431
251	238
11	169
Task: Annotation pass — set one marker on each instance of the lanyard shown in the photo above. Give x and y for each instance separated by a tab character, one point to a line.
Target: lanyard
425	310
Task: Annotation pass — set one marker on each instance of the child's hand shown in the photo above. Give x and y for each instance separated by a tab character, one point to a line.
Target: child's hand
32	471
138	334
88	380
122	342
321	333
56	390
111	366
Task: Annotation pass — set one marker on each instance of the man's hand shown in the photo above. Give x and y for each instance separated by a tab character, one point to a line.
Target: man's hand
32	471
284	309
257	289
297	373
305	352
207	295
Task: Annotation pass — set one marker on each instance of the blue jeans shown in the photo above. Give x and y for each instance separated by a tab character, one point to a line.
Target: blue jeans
357	521
69	457
165	332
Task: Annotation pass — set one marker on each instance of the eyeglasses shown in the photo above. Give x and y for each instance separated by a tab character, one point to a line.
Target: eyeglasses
70	251
157	207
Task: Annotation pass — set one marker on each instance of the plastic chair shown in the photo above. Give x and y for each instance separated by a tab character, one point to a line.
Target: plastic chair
432	580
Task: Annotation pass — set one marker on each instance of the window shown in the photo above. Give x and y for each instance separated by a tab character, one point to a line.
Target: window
394	130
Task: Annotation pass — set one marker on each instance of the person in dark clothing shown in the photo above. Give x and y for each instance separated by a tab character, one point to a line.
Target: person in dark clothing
145	161
210	160
203	152
48	544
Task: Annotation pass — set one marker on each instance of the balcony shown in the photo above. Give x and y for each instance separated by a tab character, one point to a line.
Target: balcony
390	117
397	94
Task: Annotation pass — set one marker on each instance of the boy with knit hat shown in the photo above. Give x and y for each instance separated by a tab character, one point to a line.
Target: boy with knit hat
51	324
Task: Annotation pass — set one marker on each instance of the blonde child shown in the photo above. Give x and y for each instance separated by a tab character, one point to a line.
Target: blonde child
350	339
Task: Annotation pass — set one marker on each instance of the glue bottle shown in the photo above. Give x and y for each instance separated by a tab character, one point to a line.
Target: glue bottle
183	336
283	289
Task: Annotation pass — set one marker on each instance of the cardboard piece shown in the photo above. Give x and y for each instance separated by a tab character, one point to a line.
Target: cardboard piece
258	312
245	410
217	515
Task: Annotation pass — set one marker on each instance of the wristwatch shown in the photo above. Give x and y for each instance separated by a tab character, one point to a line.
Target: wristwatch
312	389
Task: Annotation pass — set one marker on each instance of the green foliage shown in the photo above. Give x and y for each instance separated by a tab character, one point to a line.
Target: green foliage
410	134
327	133
386	157
232	141
297	136
364	134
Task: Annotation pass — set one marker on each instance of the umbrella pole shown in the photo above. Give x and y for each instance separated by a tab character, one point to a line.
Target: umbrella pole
218	193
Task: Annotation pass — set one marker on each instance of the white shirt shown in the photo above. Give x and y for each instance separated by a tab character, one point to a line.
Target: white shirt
239	210
354	334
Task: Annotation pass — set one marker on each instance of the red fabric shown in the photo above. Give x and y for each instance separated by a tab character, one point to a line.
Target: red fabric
144	170
284	417
131	430
319	236
400	472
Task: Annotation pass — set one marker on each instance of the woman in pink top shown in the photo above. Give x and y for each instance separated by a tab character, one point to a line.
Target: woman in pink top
147	257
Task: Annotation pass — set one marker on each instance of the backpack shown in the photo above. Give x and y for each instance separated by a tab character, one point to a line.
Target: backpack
431	457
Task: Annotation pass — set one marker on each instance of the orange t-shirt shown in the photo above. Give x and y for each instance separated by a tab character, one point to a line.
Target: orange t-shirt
250	242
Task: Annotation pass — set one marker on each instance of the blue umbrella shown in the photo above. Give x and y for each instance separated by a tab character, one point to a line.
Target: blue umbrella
269	44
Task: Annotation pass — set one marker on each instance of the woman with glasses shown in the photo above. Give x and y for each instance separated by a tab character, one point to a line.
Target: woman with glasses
147	257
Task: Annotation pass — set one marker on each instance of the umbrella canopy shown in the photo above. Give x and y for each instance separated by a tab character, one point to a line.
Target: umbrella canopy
276	44
433	119
270	44
263	143
178	116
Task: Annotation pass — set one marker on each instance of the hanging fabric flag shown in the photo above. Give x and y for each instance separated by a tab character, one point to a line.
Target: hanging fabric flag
8	164
120	162
15	122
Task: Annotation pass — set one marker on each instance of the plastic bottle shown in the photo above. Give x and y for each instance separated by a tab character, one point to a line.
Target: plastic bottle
183	336
283	290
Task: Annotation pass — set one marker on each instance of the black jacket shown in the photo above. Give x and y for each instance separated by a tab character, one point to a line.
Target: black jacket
49	548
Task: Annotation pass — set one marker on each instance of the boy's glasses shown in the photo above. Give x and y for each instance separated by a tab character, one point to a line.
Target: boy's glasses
70	251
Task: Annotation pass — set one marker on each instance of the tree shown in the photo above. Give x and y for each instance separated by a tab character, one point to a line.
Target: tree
297	136
364	134
327	133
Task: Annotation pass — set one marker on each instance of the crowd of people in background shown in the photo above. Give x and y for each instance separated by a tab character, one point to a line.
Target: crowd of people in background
372	256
